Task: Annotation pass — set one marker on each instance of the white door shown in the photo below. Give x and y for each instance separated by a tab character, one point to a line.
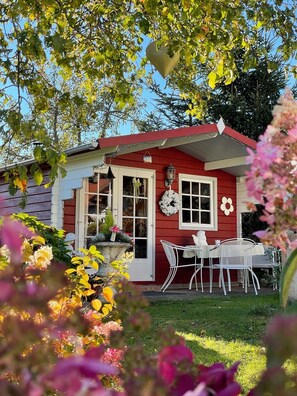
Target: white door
134	209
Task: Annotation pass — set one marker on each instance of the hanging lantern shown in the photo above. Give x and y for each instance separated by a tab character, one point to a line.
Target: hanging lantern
110	175
163	62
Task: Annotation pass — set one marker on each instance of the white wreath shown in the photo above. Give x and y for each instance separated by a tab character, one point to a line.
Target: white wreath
169	203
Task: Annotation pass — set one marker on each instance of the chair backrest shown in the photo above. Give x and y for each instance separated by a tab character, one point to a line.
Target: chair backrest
236	252
271	258
170	253
174	253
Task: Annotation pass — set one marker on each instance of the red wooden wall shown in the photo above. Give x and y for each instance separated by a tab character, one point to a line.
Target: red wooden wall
167	226
69	214
39	203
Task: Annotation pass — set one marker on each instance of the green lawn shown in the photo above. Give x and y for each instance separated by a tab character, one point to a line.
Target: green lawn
226	329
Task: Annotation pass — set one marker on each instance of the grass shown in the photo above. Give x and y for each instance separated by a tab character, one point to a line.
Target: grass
226	329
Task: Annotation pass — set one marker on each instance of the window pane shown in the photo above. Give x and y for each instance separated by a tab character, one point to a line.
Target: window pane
185	187
128	226
205	203
127	206
195	215
186	202
205	218
92	227
128	188
140	248
140	186
103	185
195	188
205	189
141	208
186	216
92	204
141	228
195	203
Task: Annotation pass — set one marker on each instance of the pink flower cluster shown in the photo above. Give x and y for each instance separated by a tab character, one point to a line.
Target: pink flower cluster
115	229
272	177
12	234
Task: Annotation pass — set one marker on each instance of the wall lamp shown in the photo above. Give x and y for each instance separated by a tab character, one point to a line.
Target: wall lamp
170	175
147	158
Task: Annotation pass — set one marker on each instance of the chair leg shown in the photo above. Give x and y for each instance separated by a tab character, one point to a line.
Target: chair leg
255	281
196	283
201	279
173	273
194	276
210	279
167	279
223	281
229	280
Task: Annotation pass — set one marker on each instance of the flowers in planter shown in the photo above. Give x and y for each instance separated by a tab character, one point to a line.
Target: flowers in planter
114	231
110	232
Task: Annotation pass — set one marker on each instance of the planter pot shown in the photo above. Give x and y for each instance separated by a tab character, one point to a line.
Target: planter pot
111	251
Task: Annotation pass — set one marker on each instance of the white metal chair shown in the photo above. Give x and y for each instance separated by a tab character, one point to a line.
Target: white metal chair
174	254
270	260
236	254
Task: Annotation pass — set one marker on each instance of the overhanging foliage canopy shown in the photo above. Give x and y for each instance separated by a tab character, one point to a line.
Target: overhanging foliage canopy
101	44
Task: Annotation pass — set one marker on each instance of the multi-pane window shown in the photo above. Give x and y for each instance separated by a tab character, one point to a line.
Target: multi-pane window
135	213
134	205
198	202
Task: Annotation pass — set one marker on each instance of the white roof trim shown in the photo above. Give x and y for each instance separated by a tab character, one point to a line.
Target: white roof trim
179	141
226	163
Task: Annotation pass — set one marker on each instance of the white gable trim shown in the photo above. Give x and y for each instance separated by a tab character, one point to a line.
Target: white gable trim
78	167
226	163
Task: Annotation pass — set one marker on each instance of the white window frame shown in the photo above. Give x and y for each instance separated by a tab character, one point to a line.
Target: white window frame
213	226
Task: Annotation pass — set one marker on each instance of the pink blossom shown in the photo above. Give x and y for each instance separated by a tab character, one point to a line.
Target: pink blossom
11	235
219	379
168	359
115	229
272	176
200	390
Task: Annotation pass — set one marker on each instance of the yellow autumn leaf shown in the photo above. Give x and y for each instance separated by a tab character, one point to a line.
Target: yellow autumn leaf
21	184
94	265
106	309
126	275
92	249
108	294
85	283
89	292
96	304
39	239
70	271
96	315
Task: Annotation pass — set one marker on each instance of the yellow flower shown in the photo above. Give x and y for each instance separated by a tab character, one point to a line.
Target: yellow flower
41	259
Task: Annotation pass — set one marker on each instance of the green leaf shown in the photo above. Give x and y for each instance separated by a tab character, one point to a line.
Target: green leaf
220	68
212	79
23	172
287	275
38	177
38	153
